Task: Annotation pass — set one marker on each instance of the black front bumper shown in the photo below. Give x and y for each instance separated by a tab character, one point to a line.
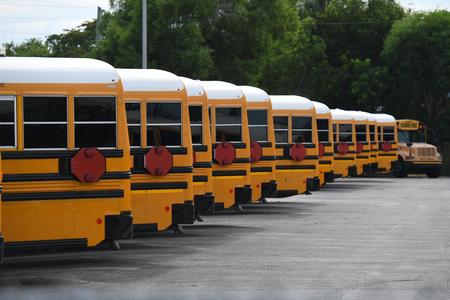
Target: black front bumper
329	177
118	227
313	184
204	204
269	189
183	213
420	168
243	195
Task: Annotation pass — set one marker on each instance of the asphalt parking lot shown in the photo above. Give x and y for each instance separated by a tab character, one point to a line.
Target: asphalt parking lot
361	238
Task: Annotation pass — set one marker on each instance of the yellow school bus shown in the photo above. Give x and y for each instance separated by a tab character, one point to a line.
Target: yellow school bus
65	153
325	138
262	143
362	147
387	142
161	149
201	143
415	155
230	144
344	143
373	142
294	120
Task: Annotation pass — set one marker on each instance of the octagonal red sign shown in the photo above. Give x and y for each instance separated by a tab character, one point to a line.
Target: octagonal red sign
321	150
386	146
297	152
158	161
359	148
255	152
88	165
342	148
225	153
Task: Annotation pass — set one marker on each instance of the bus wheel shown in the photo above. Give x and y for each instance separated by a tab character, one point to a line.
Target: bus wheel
400	170
434	173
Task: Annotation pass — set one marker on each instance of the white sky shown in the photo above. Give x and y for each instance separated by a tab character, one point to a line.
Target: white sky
24	19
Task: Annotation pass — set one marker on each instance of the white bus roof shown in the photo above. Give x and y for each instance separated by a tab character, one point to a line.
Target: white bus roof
56	70
384	118
216	90
149	80
341	115
321	108
254	94
284	102
193	87
359	115
369	116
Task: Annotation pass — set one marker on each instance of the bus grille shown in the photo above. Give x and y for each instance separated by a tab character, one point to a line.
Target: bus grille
426	152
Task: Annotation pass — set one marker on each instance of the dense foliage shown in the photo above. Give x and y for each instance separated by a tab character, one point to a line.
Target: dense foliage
361	54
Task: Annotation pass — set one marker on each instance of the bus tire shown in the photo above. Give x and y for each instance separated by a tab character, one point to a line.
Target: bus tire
433	173
400	170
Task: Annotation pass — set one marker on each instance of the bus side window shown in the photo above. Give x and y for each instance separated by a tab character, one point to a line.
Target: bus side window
7	121
45	122
164	124
195	116
345	133
134	123
388	133
228	124
322	130
95	122
372	133
257	124
335	133
281	129
361	133
379	134
301	130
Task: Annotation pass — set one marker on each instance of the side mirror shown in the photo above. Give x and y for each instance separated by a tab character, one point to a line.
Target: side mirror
409	144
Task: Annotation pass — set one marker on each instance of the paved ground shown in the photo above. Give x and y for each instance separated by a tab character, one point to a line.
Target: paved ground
356	239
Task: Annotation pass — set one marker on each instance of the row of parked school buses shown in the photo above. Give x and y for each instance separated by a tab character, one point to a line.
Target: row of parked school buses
92	154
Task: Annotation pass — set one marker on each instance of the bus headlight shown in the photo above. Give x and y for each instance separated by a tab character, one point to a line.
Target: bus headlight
439	156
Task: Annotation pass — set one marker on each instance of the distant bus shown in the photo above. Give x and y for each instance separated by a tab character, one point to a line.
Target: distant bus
160	141
295	128
344	139
415	155
201	144
230	142
262	147
387	142
325	138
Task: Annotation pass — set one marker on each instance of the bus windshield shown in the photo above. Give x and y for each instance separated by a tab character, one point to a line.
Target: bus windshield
411	136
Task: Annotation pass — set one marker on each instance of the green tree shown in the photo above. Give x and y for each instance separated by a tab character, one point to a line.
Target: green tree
353	33
77	42
31	47
175	39
417	52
